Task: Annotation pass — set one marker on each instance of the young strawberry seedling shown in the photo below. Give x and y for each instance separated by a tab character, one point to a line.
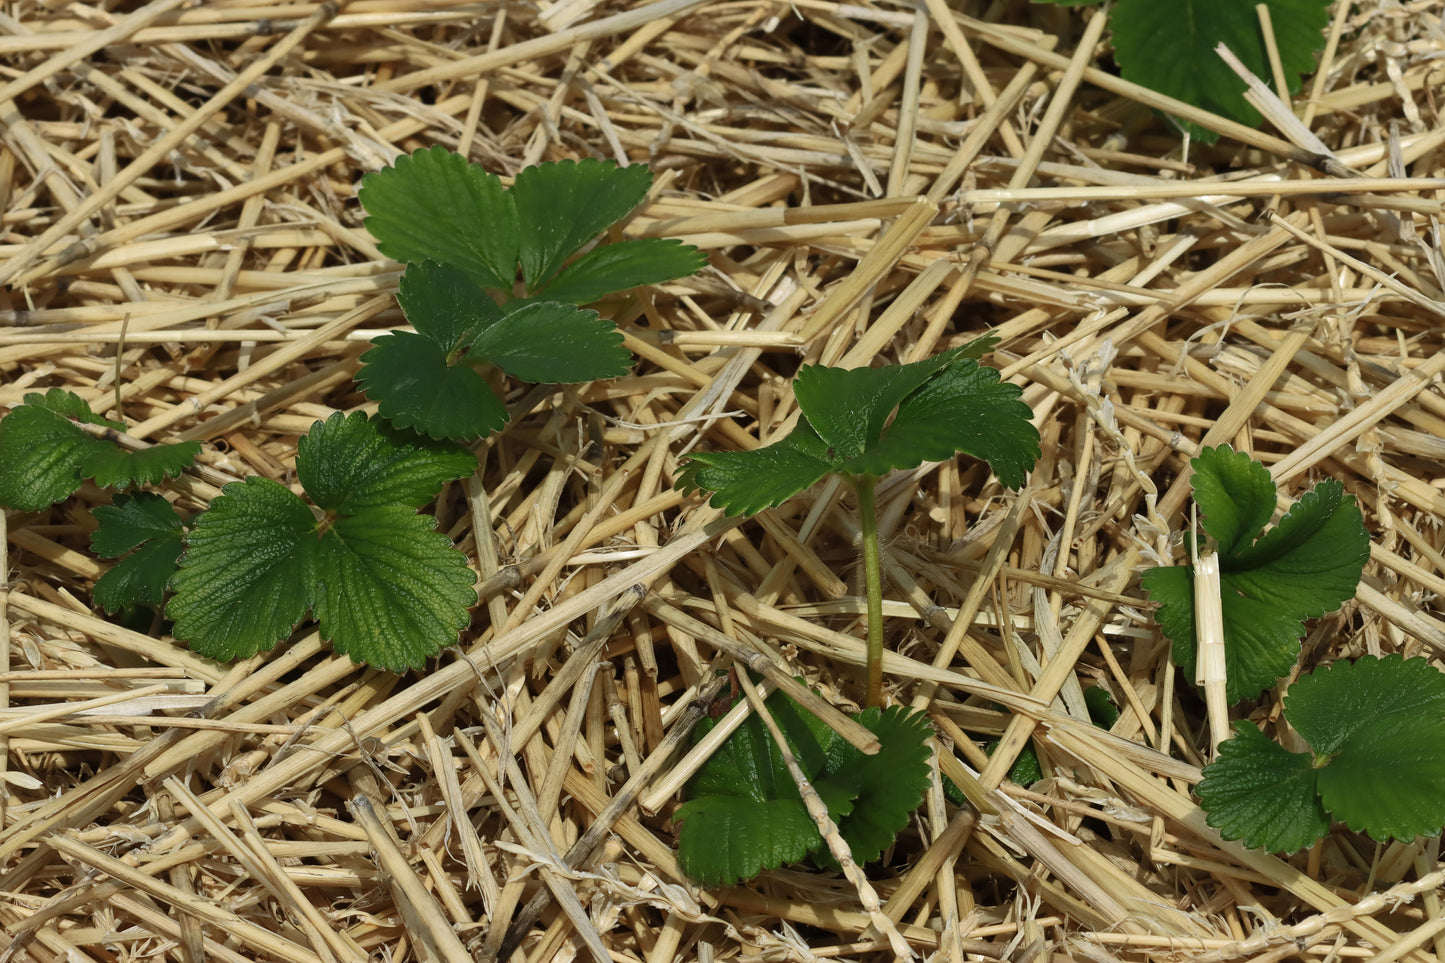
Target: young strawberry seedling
859	424
1307	565
494	278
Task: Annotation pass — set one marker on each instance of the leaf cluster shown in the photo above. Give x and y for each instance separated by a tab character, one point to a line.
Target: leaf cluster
145	532
869	421
1307	565
494	277
45	454
744	813
1376	731
385	587
1170	47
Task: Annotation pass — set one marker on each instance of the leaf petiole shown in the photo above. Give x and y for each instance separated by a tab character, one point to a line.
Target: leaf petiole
865	485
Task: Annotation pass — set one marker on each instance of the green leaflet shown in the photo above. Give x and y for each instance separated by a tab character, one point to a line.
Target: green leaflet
385	587
146	530
938	407
1376	728
44	454
1307	565
464	238
744	813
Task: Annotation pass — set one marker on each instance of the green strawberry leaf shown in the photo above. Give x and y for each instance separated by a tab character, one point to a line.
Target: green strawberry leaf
1378	726
746	482
68	404
130	521
1309	564
744	813
563	205
40	457
433	205
1171	48
623	265
409	378
145	526
114	467
391	591
938	407
248	574
1260	792
349	463
548	341
886	787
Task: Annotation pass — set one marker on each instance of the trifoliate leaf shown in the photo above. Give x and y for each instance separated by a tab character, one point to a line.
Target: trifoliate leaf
68	404
147	527
563	205
248	574
349	463
433	205
130	521
114	467
744	813
549	341
408	377
1378	725
1309	564
746	482
443	303
623	265
938	407
1171	48
391	592
40	457
1260	792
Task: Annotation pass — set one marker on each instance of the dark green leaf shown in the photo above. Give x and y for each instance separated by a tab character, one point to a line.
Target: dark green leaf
1307	565
1235	494
40	457
887	786
1258	791
433	205
1102	710
746	482
563	205
443	303
1380	723
349	463
141	577
114	467
1170	48
248	573
130	521
963	408
68	404
725	839
408	377
623	265
391	592
549	341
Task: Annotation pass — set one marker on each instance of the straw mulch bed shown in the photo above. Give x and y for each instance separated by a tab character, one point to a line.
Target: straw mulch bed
182	246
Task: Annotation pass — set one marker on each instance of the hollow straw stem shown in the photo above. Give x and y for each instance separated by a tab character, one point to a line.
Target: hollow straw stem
873	581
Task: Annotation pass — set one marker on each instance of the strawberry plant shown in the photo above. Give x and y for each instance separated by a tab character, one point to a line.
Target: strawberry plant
1170	48
861	423
494	279
145	532
1307	565
1376	732
385	587
46	454
858	424
744	813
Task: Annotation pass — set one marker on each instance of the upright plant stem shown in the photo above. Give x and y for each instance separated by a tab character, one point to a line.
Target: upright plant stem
873	580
